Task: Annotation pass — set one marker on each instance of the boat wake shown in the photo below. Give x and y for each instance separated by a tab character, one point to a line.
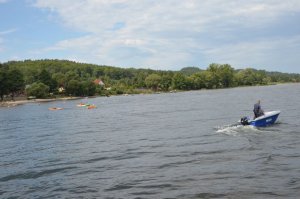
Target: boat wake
235	130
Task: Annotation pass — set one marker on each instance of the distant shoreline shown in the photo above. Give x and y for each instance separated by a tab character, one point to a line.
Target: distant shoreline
21	102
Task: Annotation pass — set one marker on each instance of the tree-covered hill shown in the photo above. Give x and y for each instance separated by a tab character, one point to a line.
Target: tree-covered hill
42	78
190	70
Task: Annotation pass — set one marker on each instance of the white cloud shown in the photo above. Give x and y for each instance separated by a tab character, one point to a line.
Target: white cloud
262	54
5	32
163	33
100	15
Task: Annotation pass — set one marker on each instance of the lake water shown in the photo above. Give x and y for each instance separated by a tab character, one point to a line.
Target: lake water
175	145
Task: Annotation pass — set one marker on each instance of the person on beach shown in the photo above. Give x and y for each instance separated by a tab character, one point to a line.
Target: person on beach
257	110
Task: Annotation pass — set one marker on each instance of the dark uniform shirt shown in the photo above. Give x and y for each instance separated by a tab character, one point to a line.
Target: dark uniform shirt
257	110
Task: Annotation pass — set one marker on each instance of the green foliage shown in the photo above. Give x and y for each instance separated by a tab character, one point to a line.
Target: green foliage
220	76
83	88
74	88
153	81
180	82
46	78
190	70
98	72
77	78
247	77
213	75
71	75
88	88
59	78
39	90
226	74
100	91
165	82
200	80
117	91
15	81
4	89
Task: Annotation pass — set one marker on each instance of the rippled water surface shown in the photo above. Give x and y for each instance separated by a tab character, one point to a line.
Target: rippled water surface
178	145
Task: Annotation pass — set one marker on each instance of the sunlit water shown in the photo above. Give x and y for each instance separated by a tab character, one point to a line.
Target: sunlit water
179	145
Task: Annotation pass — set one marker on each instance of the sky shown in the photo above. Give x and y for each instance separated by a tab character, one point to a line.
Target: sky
164	35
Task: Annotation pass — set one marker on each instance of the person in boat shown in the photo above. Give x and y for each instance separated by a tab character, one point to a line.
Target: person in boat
257	110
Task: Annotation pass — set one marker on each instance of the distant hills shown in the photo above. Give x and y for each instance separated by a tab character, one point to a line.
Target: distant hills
43	78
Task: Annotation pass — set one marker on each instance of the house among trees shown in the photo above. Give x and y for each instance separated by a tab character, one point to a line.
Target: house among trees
61	89
99	82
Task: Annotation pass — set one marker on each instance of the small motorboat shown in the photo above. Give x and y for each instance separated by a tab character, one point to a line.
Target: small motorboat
91	107
267	119
55	109
82	105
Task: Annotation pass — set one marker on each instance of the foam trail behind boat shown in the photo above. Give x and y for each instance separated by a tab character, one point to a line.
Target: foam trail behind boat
236	129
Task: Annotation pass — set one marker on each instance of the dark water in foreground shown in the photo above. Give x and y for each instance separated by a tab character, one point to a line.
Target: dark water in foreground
153	146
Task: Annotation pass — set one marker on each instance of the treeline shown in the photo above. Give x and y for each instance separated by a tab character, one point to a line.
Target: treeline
43	78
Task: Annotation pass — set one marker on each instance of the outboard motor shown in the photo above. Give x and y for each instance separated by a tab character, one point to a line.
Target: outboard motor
244	121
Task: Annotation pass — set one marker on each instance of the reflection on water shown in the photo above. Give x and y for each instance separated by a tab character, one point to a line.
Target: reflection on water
178	145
